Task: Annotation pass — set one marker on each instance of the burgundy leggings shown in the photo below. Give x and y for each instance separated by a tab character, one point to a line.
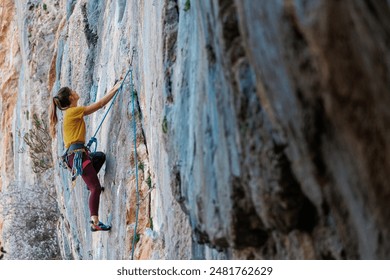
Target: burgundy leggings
91	179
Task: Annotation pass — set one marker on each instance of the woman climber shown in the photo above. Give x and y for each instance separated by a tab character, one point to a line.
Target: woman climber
79	160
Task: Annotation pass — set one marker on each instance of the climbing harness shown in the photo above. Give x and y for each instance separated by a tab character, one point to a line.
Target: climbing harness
78	165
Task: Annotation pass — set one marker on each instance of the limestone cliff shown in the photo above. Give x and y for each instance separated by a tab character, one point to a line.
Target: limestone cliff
261	128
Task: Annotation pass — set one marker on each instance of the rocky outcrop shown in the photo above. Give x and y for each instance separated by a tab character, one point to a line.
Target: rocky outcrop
9	63
320	93
27	194
261	126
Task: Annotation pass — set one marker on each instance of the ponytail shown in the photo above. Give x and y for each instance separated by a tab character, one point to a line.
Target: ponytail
53	118
61	100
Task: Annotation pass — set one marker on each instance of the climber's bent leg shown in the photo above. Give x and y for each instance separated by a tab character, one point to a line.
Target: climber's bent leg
98	159
90	178
93	184
92	181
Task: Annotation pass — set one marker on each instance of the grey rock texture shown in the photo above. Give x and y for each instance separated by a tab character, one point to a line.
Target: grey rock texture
262	126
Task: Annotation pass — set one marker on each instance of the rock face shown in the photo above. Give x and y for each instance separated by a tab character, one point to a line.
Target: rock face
27	194
261	127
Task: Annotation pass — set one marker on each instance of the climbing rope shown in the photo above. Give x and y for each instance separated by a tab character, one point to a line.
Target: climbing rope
136	164
93	139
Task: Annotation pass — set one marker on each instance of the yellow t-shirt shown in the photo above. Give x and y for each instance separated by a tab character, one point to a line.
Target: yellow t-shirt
74	125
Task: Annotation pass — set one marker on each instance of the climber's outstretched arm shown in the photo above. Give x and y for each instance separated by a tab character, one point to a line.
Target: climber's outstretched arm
102	102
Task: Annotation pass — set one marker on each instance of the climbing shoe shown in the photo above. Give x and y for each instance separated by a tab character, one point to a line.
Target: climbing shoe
99	227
